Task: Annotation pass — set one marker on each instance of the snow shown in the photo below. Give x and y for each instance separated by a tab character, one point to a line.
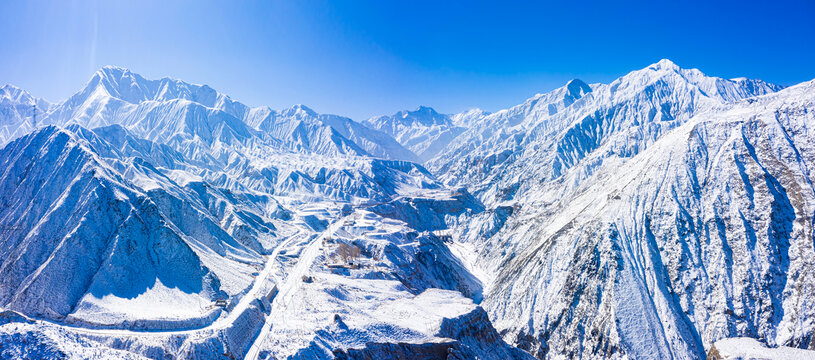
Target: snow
157	303
625	245
748	348
650	217
33	341
424	131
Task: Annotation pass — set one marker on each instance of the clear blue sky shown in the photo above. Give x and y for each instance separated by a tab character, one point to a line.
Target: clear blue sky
376	57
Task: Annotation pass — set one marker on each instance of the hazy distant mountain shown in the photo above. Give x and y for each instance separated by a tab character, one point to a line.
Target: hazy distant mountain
423	131
19	112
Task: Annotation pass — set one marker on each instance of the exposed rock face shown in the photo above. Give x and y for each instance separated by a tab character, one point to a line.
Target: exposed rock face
425	213
479	338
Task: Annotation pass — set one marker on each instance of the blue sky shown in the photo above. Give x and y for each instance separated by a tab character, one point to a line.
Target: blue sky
364	58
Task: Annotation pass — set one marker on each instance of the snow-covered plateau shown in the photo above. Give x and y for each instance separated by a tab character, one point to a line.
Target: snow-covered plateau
665	215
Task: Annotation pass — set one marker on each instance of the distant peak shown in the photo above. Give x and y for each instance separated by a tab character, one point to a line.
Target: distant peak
15	93
114	74
113	70
300	109
8	87
423	114
577	88
303	108
664	64
114	67
475	111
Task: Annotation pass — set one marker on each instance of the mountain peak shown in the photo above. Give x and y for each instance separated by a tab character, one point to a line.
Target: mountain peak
12	92
577	88
118	82
423	114
109	68
299	110
114	72
18	95
664	64
131	87
425	109
10	87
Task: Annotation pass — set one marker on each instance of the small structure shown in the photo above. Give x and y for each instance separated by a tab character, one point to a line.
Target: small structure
307	278
222	303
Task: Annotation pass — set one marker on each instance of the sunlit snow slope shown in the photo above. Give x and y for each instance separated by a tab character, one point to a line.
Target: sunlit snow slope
648	218
164	219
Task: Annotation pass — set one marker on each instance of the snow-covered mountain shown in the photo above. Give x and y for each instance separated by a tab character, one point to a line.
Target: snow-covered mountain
300	123
140	205
82	243
423	131
565	134
193	116
648	218
701	236
19	112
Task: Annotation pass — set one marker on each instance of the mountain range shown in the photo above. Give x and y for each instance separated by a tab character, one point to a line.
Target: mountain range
659	216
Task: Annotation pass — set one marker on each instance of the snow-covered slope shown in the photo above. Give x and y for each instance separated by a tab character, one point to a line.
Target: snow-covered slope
97	236
231	145
106	230
701	230
424	131
299	123
747	349
565	134
150	201
100	240
192	116
647	218
469	118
